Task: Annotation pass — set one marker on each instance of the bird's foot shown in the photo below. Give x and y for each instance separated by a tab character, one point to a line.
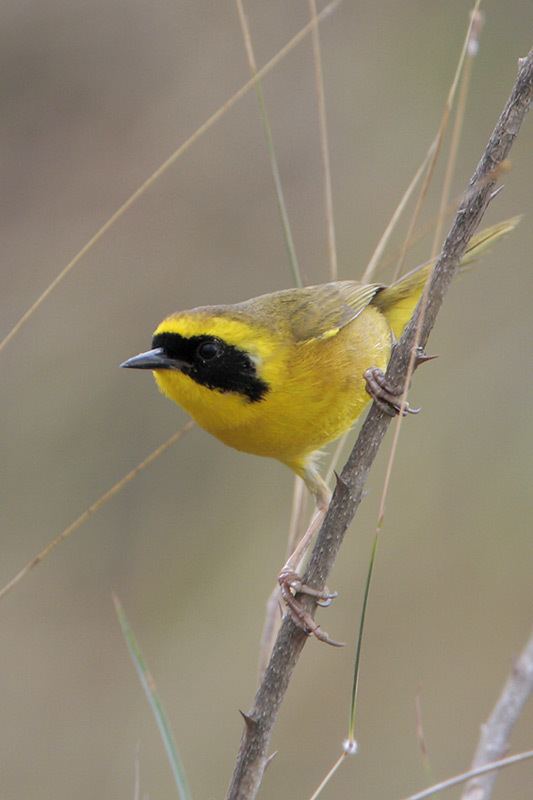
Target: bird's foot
387	397
291	585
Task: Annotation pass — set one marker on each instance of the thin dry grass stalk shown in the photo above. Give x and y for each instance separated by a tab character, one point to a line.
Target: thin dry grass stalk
493	767
198	133
280	195
436	145
324	145
94	507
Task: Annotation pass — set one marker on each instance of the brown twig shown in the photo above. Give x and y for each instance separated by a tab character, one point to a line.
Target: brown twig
252	756
495	733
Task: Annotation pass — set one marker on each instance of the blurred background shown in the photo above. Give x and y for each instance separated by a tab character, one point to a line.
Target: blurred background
95	96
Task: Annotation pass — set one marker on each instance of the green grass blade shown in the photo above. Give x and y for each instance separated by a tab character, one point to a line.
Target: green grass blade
282	206
150	690
355	685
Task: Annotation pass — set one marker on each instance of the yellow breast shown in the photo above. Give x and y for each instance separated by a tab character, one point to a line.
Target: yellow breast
315	391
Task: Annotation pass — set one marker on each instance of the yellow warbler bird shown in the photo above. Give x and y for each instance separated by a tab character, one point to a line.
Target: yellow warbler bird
283	374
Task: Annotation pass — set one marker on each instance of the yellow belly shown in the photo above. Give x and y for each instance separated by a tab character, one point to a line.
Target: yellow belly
316	393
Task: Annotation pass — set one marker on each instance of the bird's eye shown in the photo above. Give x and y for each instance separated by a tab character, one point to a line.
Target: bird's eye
208	350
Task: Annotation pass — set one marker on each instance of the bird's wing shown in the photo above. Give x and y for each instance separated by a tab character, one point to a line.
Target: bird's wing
319	312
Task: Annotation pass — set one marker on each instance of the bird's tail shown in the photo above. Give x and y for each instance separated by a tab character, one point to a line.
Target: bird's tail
398	301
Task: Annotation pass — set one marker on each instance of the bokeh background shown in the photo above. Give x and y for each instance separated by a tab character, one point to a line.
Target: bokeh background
95	96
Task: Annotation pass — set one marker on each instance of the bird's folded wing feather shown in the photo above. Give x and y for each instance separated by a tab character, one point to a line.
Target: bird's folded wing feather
319	312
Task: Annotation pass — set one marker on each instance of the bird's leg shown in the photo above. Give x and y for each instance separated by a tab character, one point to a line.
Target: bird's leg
387	397
290	580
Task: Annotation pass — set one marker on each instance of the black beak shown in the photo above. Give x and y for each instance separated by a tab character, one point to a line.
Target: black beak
152	359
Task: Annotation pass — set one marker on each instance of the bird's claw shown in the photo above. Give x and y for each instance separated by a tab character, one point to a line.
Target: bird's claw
290	585
388	398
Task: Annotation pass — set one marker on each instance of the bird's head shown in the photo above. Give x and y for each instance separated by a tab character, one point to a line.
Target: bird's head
209	349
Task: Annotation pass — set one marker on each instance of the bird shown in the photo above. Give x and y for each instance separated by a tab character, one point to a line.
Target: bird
284	374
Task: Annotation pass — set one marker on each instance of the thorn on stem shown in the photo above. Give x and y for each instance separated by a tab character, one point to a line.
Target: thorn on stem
340	485
249	721
270	758
421	357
